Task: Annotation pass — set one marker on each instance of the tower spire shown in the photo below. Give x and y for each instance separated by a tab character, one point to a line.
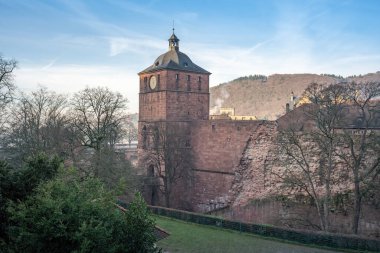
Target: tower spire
173	41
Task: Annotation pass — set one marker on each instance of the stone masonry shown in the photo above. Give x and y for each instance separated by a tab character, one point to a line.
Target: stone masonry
176	91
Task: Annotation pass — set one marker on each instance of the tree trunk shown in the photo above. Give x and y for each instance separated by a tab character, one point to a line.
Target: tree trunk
357	205
326	203
326	213
97	162
320	214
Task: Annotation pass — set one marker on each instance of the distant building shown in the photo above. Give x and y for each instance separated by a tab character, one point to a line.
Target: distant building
229	113
295	101
130	151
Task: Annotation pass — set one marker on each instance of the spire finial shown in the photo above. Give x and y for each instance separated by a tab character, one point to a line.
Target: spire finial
173	41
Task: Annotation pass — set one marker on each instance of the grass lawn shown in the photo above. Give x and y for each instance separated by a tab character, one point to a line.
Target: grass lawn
188	237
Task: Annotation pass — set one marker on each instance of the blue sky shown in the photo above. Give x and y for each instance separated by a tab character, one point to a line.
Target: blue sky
68	45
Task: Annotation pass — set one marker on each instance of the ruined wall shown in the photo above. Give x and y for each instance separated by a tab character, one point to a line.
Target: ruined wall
217	147
253	177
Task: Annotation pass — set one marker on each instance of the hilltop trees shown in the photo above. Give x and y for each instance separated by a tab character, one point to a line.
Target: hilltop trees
38	123
98	115
82	130
99	121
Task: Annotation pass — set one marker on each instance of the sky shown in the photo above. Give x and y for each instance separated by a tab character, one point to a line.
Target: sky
67	45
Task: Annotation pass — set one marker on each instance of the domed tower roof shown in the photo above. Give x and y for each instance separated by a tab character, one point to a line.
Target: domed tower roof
174	59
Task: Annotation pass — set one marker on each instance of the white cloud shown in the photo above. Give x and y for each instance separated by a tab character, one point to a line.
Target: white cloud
71	78
51	63
139	45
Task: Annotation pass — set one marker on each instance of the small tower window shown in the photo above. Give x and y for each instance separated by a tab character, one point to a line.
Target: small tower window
158	82
176	81
145	83
188	83
185	64
199	79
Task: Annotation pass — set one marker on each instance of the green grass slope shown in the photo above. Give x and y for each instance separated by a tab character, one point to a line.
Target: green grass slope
187	237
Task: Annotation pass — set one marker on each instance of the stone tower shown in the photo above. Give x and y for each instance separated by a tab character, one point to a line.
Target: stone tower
173	88
174	92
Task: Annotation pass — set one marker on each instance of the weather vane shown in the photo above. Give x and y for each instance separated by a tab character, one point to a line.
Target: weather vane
173	26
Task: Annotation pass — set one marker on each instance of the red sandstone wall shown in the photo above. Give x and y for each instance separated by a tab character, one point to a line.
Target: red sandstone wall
217	149
187	106
219	144
182	98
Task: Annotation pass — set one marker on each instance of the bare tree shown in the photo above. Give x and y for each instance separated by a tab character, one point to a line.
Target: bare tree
37	123
362	141
168	157
340	149
99	117
6	80
7	86
310	161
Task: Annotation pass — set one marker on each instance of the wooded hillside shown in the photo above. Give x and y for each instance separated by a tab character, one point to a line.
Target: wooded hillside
266	97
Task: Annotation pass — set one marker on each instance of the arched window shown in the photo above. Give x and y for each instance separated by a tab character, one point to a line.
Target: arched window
150	171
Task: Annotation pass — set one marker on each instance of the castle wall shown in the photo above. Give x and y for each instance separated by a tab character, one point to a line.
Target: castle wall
217	149
187	105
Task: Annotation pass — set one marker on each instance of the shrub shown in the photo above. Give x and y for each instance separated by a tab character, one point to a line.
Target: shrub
68	214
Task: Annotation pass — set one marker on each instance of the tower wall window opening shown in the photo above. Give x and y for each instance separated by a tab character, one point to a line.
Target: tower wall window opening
176	81
188	83
145	83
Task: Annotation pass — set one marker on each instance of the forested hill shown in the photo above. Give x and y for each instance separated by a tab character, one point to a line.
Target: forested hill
266	97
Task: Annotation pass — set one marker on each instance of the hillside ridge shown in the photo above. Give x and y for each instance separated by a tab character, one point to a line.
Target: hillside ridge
266	97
